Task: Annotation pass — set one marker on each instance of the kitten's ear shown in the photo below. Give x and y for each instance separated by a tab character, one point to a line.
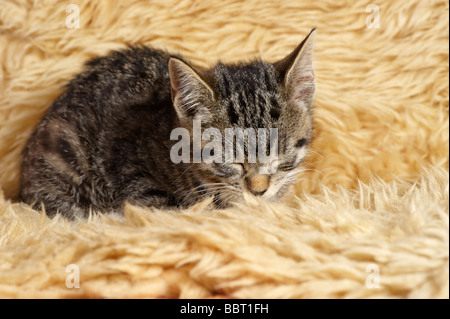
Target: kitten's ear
190	94
297	73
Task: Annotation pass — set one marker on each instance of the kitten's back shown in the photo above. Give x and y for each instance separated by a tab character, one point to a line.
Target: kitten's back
72	160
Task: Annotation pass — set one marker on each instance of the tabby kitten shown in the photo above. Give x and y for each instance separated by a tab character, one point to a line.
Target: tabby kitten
106	139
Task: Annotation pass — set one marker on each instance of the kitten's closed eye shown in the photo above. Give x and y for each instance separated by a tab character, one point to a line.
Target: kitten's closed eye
238	167
292	163
228	170
285	167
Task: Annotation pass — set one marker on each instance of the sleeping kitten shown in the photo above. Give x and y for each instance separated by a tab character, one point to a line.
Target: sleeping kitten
106	140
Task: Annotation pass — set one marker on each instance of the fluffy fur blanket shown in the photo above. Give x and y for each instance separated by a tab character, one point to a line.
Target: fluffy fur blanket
370	218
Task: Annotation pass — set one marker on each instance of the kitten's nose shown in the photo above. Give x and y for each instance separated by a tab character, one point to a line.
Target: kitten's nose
258	184
258	193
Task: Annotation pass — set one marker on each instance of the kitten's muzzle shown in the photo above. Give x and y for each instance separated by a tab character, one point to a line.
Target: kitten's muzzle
257	184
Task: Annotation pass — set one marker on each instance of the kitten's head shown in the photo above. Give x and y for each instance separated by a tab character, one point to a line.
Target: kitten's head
246	97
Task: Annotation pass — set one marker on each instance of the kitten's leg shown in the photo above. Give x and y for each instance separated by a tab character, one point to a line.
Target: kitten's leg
42	186
49	180
53	200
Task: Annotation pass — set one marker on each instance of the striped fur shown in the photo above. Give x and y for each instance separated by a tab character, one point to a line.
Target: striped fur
105	140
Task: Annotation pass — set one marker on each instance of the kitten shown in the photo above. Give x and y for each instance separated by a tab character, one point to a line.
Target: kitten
106	139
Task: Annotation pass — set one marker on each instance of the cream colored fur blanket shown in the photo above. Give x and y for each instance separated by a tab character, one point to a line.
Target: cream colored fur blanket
370	216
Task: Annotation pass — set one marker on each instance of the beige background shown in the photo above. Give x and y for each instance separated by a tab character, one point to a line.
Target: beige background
381	120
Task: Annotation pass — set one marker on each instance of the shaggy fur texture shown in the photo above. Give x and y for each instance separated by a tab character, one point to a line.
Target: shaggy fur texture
376	194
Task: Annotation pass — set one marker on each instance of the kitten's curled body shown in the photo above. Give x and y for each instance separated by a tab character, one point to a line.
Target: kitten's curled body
105	140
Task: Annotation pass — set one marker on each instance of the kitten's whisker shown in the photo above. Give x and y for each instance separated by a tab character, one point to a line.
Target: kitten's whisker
212	188
317	171
178	178
226	196
208	190
314	152
210	184
231	197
